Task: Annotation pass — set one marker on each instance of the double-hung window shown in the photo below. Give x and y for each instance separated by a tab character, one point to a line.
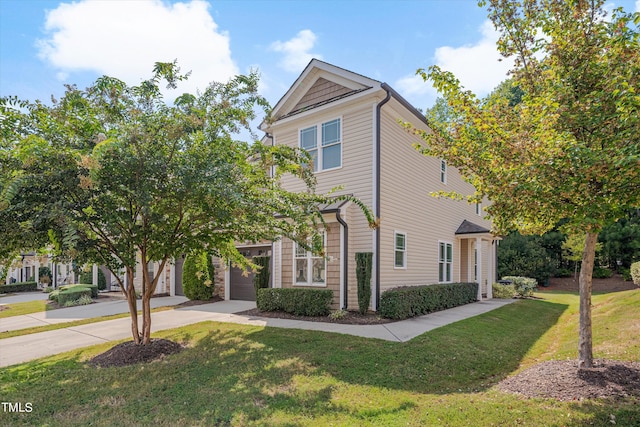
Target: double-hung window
400	250
326	148
445	261
443	171
310	268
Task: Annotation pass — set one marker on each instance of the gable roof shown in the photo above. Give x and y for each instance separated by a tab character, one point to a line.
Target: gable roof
467	227
321	83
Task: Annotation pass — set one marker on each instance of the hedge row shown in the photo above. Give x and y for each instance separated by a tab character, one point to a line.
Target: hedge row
301	302
410	301
524	285
73	293
18	287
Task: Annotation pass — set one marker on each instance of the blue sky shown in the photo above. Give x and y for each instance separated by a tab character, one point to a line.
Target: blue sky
45	44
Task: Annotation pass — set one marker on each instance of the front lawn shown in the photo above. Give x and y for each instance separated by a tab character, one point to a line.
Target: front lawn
20	308
241	375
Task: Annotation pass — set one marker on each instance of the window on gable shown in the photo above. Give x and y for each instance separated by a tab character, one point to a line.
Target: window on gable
478	209
327	153
310	268
400	250
309	142
443	171
445	261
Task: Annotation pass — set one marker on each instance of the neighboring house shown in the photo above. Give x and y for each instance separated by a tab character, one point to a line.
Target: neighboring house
349	123
25	268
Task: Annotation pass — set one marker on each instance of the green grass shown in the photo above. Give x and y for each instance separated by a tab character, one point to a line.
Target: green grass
20	308
243	375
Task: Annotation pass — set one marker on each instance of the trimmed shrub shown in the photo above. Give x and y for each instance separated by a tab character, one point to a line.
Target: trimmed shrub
197	282
261	278
74	293
524	285
301	302
601	273
87	277
92	288
363	275
501	291
411	301
625	273
635	273
19	287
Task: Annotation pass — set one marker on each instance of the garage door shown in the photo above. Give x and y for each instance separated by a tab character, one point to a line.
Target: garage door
241	287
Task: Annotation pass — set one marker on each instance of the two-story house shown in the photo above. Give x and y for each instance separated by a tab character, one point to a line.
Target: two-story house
349	124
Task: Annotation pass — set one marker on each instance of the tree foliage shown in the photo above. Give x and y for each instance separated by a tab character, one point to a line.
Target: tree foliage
114	173
197	276
569	149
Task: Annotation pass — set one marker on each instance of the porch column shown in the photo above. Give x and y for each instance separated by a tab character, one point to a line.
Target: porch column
94	279
479	250
36	273
491	272
172	277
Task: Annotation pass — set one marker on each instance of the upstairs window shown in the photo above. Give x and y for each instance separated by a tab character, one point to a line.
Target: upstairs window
327	152
443	171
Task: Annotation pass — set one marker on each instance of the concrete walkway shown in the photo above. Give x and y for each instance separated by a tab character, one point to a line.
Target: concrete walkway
29	347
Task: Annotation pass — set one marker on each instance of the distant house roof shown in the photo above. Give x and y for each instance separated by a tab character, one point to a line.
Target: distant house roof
467	227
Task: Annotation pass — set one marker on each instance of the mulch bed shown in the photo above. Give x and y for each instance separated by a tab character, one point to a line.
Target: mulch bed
612	284
562	380
350	317
129	353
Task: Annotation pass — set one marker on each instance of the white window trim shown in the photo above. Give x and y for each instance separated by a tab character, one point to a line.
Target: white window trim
309	256
478	209
395	249
443	172
445	261
319	146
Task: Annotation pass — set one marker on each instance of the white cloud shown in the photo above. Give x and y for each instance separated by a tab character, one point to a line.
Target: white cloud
637	5
296	51
477	66
124	39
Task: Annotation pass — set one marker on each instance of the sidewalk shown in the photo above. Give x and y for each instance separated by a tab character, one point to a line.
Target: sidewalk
80	312
29	347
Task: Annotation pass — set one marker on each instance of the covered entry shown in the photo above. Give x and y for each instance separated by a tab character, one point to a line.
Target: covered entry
477	257
241	285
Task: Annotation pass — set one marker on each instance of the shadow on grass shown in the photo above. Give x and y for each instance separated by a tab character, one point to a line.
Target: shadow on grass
470	355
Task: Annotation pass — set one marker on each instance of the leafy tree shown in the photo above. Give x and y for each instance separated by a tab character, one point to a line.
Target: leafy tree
113	173
526	256
573	247
621	242
569	150
197	277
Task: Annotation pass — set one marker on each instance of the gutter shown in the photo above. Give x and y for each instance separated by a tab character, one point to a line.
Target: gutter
345	260
387	89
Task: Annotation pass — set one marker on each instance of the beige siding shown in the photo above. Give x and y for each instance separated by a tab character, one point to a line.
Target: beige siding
407	179
355	177
322	90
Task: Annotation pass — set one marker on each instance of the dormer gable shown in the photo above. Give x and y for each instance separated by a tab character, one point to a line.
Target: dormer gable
319	84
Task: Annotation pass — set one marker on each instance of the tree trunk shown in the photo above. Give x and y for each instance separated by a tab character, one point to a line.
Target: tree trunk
585	346
130	293
146	318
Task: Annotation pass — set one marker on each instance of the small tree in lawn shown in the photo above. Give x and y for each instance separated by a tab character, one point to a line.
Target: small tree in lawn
114	175
568	149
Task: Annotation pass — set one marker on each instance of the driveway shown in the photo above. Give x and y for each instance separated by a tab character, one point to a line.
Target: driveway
22	297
